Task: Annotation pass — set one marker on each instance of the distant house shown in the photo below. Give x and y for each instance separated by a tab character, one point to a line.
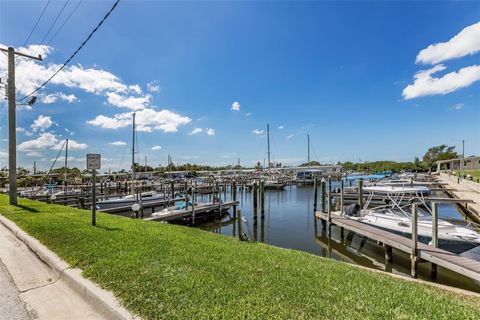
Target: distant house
470	163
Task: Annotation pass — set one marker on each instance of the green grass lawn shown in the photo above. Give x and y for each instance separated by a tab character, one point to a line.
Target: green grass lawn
162	271
474	173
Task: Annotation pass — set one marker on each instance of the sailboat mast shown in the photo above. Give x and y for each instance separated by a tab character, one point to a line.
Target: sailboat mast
308	148
268	144
133	146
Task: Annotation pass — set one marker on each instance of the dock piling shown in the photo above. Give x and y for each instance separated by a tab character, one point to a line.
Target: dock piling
255	202
315	194
434	235
262	199
413	256
234	198
360	193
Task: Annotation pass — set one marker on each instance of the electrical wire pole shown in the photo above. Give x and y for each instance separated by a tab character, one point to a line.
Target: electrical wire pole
12	136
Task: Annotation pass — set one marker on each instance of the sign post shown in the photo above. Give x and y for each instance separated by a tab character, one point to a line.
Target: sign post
93	163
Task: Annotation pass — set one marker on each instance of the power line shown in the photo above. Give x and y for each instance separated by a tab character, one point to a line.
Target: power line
54	21
64	22
74	54
36	23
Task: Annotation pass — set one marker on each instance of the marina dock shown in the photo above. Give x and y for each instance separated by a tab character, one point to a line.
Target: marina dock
191	212
454	262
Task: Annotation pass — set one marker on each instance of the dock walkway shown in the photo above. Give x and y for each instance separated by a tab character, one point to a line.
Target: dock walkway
190	212
461	264
464	189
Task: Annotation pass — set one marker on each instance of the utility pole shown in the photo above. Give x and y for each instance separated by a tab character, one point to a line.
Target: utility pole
12	123
133	146
65	169
145	162
268	144
463	157
34	167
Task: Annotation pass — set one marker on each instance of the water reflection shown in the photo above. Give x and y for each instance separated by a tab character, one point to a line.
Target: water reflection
288	222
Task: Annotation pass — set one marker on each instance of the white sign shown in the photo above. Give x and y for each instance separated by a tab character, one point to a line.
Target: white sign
93	161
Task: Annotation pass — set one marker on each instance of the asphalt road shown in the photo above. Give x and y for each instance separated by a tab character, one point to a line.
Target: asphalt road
11	307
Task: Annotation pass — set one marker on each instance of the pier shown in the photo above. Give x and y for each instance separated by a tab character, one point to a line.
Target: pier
421	252
192	211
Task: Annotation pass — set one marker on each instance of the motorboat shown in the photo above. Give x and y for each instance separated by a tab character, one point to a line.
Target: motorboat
398	219
128	200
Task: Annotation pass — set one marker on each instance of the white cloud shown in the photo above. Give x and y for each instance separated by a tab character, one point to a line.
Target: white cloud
44	141
118	143
248	114
72	145
196	131
91	80
47	140
53	97
130	102
210	131
425	85
290	136
153	87
156	148
258	131
207	131
280	127
109	123
146	120
20	129
235	106
458	106
41	123
70	132
466	42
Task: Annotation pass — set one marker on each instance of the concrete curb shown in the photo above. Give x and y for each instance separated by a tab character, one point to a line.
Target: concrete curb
103	301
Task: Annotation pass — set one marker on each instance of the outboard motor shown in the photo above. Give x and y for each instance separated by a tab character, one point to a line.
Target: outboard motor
353	210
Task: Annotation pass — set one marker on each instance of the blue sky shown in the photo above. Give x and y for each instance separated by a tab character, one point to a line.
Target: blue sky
336	71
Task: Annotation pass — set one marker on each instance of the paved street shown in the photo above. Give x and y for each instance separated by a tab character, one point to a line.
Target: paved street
11	307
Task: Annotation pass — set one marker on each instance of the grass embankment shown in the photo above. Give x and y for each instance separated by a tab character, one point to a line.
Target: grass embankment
168	271
474	173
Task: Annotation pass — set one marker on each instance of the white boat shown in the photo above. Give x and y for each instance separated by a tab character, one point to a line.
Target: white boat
398	219
144	198
274	185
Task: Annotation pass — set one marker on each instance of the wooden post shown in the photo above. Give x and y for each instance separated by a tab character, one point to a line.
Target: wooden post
323	195
434	224
329	212
172	190
225	190
239	223
255	204
329	192
434	235
234	198
315	194
262	199
360	193
341	198
413	256
388	253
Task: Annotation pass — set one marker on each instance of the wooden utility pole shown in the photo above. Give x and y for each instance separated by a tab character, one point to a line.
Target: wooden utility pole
12	136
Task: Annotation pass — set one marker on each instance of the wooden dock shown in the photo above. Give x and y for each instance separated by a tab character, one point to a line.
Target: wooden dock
454	262
151	204
191	212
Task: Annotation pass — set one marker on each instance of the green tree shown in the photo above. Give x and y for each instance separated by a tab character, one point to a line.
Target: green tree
434	154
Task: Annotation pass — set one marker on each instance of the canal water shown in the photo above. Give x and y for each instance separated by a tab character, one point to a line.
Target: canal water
289	223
